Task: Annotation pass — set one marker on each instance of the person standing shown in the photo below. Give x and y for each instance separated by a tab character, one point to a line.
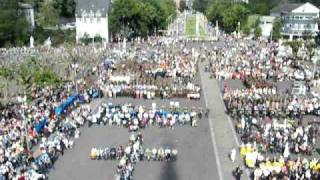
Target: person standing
232	155
238	172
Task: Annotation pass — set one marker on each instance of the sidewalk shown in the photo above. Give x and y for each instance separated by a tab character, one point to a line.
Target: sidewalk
223	134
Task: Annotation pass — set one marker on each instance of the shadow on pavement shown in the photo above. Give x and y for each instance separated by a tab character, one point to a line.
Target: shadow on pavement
169	169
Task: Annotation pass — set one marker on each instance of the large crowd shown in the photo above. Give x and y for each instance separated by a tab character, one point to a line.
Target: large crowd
150	71
277	140
278	128
34	134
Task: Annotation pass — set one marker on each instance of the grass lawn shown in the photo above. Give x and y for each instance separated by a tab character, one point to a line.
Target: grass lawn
190	30
190	26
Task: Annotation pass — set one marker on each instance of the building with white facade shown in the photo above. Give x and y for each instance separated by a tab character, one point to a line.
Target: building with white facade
266	25
298	19
92	19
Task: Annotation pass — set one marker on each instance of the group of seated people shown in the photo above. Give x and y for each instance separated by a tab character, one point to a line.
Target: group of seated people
146	154
171	75
134	152
137	117
279	167
268	101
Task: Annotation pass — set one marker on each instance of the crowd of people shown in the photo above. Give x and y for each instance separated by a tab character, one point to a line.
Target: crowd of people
270	122
33	135
279	167
278	141
268	101
138	117
149	72
239	60
142	154
129	155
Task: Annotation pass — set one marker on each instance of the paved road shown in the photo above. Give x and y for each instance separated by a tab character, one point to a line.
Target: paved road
196	158
224	137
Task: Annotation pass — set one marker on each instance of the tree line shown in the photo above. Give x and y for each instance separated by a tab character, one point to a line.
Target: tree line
130	18
238	16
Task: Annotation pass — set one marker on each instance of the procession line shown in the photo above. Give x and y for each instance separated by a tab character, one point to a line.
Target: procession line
234	133
213	138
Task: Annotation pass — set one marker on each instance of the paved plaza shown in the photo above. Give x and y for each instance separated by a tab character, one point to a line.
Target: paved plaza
196	158
203	151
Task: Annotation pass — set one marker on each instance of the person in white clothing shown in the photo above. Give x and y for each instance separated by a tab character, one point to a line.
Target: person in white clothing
233	153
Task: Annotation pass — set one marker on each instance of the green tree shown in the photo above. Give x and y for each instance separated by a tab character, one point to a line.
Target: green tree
165	9
182	5
32	73
257	31
48	15
24	72
66	7
200	5
261	7
233	15
139	17
246	29
7	74
277	29
215	12
13	25
228	14
311	48
307	35
45	77
295	46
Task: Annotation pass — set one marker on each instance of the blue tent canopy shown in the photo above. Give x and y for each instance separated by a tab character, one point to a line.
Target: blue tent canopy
59	110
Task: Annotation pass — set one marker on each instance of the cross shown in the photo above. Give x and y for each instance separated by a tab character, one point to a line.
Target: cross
131	154
134	152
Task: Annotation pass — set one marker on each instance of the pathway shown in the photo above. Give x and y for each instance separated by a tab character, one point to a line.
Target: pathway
222	131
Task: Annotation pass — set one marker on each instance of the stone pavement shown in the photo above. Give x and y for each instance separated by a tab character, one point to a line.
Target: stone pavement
196	158
222	130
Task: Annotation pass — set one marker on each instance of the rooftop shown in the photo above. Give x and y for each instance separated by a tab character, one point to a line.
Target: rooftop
286	7
94	6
